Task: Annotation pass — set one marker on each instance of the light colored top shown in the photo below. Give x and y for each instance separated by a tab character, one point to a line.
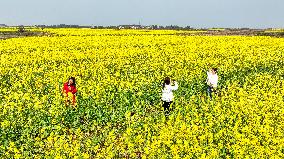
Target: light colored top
212	79
167	92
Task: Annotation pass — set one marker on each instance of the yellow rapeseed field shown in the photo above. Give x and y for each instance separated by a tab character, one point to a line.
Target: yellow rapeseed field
119	111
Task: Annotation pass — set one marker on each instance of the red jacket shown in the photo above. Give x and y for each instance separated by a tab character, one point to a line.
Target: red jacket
66	89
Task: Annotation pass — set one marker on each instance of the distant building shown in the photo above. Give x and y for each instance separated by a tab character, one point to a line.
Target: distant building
3	25
130	27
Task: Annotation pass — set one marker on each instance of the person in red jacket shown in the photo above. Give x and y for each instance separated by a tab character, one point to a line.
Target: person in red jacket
69	91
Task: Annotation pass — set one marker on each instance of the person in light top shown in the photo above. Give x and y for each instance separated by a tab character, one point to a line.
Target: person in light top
167	94
212	81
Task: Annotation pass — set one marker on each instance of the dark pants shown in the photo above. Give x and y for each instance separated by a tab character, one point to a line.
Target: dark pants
166	106
210	90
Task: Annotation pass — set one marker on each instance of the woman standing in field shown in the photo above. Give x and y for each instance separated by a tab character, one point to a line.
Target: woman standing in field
69	91
212	81
167	94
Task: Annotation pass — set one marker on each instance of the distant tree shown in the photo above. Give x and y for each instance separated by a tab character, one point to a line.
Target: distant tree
154	27
187	28
161	27
21	29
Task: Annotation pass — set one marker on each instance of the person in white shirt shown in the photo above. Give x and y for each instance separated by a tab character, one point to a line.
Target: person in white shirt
212	81
167	94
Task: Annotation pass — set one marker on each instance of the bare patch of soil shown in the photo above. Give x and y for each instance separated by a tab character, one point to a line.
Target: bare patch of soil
16	34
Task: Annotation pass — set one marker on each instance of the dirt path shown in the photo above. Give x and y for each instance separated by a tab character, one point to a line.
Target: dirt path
16	34
241	32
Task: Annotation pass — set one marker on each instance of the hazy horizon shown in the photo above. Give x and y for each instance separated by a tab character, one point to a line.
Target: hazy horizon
197	14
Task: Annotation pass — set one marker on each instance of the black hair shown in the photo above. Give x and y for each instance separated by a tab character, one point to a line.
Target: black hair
73	79
215	70
167	81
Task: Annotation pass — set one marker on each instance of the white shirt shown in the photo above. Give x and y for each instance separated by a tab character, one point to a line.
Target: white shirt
167	92
212	79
